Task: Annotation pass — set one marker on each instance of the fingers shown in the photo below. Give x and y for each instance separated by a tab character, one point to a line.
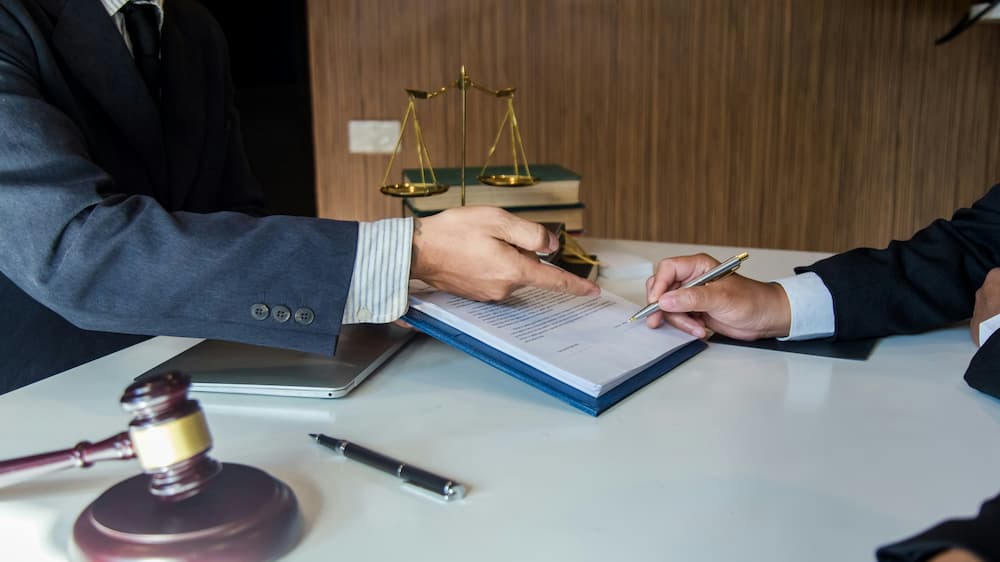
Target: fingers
987	303
672	273
530	237
677	314
688	324
547	276
527	235
684	322
694	299
486	253
404	324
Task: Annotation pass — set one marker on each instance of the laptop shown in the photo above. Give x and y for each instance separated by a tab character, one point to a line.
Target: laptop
221	366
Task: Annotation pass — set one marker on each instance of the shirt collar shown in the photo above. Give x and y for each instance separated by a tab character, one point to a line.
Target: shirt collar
112	6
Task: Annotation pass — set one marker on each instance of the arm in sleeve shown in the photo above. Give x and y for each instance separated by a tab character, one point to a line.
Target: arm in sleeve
918	284
977	535
111	262
379	286
983	373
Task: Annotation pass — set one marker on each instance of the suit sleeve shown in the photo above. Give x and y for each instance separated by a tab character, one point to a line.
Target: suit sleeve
983	373
117	263
978	535
917	284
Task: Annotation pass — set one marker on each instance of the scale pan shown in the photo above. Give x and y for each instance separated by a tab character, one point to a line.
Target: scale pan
413	189
508	180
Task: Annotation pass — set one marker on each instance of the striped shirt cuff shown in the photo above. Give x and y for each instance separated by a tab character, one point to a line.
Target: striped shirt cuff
378	292
812	307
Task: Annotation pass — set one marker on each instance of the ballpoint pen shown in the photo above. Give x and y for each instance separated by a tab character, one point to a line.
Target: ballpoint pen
445	488
714	274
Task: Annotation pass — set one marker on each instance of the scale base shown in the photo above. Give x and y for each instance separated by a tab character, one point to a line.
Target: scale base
242	514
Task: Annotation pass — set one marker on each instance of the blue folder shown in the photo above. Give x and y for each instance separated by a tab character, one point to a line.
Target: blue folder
546	383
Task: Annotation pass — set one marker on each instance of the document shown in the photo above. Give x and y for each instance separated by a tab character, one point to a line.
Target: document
584	342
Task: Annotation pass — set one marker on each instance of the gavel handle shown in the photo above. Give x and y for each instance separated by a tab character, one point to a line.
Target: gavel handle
84	454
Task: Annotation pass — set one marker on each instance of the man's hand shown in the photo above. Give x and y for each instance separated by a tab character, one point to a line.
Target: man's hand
485	253
734	306
987	303
956	555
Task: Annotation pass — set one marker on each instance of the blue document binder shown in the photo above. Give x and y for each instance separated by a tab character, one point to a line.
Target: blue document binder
524	372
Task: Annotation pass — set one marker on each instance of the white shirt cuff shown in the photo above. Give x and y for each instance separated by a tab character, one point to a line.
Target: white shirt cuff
378	292
987	327
811	305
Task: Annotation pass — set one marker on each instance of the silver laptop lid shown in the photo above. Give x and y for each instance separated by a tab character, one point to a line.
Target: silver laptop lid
221	366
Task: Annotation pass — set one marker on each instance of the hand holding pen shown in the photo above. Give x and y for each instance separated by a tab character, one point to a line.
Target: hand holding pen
714	274
729	304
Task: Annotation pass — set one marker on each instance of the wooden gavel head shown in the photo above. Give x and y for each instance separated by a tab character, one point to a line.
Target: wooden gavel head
196	504
170	436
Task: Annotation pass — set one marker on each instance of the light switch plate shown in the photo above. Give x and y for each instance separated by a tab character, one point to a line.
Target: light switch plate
372	137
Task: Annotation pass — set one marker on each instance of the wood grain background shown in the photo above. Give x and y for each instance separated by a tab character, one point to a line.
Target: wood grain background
805	124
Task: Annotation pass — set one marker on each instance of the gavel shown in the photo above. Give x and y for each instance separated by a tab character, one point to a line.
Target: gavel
186	504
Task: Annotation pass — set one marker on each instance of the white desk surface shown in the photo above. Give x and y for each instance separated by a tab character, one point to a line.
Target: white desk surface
738	454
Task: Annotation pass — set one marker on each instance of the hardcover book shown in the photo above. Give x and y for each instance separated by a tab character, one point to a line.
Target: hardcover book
555	186
570	215
581	350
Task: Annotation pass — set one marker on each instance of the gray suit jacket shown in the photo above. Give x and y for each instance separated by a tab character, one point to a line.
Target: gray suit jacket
121	217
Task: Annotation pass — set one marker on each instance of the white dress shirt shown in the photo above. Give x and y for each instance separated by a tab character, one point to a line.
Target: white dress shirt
113	8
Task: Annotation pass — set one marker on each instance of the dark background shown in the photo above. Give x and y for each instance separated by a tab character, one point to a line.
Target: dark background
269	52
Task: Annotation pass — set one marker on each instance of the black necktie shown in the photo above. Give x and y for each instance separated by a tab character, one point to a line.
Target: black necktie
142	21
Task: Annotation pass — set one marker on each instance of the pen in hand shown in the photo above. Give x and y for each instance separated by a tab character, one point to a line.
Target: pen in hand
714	274
446	488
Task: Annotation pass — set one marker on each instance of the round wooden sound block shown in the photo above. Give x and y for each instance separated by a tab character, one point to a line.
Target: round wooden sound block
242	514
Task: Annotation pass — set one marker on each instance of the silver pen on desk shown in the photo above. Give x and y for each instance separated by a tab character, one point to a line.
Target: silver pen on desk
714	274
445	488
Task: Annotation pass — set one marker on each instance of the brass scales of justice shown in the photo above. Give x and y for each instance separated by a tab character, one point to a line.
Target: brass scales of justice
429	184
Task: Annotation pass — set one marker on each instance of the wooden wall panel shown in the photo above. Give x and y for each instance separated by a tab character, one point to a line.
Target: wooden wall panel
816	125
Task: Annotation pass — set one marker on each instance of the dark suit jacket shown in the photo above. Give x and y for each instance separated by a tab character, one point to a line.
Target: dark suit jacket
978	535
922	283
119	217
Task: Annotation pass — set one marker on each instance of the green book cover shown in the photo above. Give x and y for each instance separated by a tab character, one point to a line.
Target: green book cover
418	212
452	176
555	186
571	215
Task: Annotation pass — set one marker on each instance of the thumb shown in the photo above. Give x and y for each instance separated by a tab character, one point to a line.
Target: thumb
529	235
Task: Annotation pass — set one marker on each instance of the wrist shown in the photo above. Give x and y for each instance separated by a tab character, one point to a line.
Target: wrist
416	252
810	307
780	314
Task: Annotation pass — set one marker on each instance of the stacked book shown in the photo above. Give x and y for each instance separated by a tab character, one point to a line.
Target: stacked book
554	198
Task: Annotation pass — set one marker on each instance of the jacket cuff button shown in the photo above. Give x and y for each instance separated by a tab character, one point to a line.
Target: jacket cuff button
259	311
304	316
281	314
